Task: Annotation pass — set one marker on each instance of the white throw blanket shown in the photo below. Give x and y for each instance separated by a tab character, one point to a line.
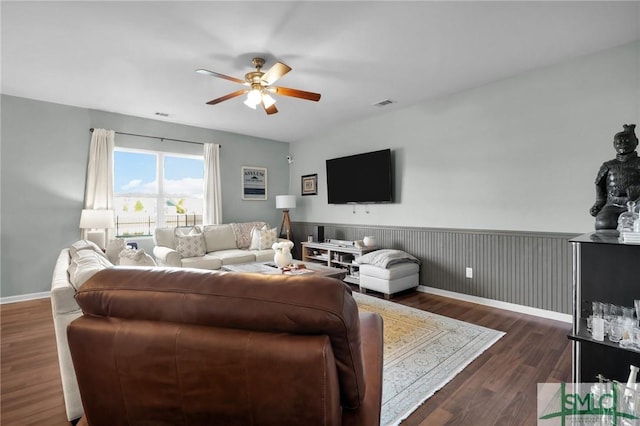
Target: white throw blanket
386	257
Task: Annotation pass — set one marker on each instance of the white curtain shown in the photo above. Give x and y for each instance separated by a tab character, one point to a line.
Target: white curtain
212	214
98	192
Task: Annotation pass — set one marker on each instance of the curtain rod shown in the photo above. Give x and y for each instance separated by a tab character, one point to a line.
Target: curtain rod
156	137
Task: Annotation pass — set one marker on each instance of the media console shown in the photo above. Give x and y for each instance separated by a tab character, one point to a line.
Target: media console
336	256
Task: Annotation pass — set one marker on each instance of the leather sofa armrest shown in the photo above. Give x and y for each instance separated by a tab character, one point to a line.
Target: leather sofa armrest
372	351
166	256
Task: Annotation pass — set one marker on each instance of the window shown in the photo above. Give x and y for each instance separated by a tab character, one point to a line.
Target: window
156	189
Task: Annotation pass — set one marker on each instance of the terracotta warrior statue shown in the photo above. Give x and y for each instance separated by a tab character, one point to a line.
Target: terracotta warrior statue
618	180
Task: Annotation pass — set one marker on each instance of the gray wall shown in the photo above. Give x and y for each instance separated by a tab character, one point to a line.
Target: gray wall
497	178
44	158
519	154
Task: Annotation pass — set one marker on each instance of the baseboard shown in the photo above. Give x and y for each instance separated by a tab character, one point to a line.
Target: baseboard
543	313
24	297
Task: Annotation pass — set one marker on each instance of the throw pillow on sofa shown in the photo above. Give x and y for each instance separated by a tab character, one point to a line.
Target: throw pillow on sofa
188	230
219	237
244	231
135	257
262	239
114	247
84	265
80	245
192	244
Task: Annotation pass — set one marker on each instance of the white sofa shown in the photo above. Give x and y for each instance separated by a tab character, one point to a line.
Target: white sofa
68	275
219	245
78	263
65	309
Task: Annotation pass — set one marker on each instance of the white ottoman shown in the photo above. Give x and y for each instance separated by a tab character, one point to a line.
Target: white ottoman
395	278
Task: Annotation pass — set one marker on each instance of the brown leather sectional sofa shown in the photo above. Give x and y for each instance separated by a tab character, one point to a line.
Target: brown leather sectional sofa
173	346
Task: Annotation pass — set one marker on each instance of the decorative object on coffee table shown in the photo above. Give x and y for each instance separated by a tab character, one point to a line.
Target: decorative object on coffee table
282	256
618	180
310	184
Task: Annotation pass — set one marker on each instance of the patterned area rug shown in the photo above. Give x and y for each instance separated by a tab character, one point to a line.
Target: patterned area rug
422	353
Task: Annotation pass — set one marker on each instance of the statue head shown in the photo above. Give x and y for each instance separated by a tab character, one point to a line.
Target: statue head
625	141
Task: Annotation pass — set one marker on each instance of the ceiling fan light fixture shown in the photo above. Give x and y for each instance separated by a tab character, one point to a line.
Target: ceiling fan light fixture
250	104
267	100
254	96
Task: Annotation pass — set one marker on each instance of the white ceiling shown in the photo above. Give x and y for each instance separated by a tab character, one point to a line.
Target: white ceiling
138	58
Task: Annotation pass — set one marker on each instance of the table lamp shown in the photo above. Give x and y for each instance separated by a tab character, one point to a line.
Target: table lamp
97	221
286	202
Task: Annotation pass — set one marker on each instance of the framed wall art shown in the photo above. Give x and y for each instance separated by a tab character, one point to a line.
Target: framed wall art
310	184
254	183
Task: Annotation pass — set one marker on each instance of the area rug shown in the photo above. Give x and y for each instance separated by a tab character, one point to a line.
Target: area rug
422	353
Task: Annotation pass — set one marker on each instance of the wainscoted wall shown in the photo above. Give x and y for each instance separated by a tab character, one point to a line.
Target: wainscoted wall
525	268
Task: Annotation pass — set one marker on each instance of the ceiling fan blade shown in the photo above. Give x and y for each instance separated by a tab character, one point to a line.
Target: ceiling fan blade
285	91
229	96
275	72
271	110
217	74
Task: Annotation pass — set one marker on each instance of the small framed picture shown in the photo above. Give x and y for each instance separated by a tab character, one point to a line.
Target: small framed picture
254	183
310	184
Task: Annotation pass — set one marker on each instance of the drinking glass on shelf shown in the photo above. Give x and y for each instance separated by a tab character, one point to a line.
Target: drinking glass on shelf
596	308
630	337
615	330
596	325
635	334
598	329
606	310
616	310
636	303
627	312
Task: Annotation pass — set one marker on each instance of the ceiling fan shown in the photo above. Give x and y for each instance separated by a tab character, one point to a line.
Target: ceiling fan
260	87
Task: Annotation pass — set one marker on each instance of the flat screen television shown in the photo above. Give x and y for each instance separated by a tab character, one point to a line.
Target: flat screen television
363	178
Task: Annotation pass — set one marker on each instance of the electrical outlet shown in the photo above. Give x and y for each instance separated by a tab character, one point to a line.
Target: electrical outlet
468	273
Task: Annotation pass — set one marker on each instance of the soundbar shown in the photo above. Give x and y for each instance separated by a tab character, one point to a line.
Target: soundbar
341	243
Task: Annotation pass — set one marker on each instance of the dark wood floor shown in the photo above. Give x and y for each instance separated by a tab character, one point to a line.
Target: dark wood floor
498	388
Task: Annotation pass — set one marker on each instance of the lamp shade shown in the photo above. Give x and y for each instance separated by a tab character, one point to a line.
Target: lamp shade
285	201
96	219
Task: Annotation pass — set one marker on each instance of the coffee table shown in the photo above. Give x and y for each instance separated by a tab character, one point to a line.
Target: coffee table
269	268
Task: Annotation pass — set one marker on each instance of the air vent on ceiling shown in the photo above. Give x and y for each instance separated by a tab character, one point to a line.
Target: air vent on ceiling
384	102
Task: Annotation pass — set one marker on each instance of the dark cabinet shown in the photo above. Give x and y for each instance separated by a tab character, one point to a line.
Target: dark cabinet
608	271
